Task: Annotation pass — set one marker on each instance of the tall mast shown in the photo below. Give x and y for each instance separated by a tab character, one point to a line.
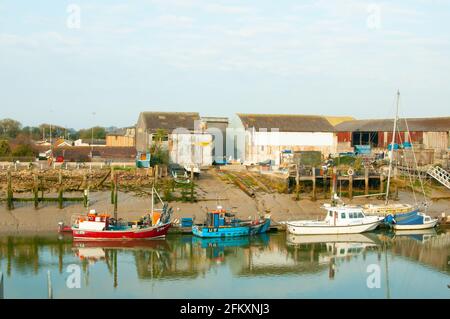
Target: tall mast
391	153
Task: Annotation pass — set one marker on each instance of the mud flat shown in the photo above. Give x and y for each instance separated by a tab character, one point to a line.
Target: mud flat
210	190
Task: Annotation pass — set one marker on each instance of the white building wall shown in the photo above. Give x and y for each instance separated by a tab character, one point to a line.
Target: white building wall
262	146
191	149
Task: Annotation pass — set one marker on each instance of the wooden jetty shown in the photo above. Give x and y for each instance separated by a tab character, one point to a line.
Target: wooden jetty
332	179
39	188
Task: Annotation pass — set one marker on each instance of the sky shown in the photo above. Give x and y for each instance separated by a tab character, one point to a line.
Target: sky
79	63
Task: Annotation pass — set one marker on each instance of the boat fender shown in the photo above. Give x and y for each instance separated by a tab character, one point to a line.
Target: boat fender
350	171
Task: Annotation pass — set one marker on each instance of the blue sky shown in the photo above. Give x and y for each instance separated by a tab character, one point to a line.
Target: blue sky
343	57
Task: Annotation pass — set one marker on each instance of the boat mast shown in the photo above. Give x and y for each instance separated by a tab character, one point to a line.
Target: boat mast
391	153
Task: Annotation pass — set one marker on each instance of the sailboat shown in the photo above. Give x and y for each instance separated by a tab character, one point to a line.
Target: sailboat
405	220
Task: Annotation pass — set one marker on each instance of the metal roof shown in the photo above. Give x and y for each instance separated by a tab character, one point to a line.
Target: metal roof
286	123
432	124
169	120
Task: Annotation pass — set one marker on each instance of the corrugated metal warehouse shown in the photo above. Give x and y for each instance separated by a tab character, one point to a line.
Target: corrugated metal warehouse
428	133
267	136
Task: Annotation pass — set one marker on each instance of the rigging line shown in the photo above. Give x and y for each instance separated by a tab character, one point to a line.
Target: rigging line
391	155
409	170
415	162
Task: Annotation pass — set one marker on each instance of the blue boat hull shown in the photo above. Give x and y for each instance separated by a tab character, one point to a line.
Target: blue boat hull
410	218
230	231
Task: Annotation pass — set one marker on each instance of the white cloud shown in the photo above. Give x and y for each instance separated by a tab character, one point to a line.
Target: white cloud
226	9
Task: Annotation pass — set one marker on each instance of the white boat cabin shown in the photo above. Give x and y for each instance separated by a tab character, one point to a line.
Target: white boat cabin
344	215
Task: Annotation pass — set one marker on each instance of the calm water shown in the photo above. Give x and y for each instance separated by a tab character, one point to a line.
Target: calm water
270	266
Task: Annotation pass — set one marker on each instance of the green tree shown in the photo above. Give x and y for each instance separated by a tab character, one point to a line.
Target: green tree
97	131
34	133
5	149
9	128
24	150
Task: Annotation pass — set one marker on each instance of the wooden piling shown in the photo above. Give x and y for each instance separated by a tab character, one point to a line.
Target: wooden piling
334	178
366	181
297	182
2	287
113	185
36	191
350	186
115	195
156	172
10	197
381	184
314	183
60	190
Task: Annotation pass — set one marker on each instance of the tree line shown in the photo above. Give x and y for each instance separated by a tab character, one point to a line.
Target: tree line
18	140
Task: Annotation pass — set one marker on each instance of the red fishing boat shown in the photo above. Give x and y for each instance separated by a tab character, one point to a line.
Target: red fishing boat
96	226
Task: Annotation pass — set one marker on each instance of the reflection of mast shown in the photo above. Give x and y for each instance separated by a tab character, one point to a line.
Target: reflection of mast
332	268
388	293
115	268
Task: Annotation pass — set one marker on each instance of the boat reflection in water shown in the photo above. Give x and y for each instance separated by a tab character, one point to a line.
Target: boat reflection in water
275	265
330	248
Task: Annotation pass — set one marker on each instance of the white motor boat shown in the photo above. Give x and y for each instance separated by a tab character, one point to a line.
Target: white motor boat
339	220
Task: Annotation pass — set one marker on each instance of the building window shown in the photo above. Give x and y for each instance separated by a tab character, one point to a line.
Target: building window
365	138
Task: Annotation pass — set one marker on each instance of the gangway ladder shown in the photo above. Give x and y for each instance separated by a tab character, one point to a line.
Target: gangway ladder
441	175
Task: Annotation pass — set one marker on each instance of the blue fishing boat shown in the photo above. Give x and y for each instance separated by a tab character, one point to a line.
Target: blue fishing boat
410	221
220	223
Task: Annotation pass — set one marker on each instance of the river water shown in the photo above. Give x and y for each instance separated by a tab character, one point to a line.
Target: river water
276	265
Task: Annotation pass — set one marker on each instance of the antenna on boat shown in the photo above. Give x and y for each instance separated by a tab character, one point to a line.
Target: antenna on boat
391	153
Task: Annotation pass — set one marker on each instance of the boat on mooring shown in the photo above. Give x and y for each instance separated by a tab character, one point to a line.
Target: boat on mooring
220	223
96	226
340	219
414	220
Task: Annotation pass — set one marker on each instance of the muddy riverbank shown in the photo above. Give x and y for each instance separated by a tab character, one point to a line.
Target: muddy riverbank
210	190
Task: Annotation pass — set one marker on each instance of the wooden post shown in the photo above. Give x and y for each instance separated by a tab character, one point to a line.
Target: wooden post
334	178
49	285
396	190
325	176
381	183
36	191
314	183
115	196
156	172
10	196
192	190
42	187
60	190
2	292
113	185
297	182
350	186
366	180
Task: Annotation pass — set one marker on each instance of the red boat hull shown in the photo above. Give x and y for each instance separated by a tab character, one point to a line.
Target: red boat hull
144	233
